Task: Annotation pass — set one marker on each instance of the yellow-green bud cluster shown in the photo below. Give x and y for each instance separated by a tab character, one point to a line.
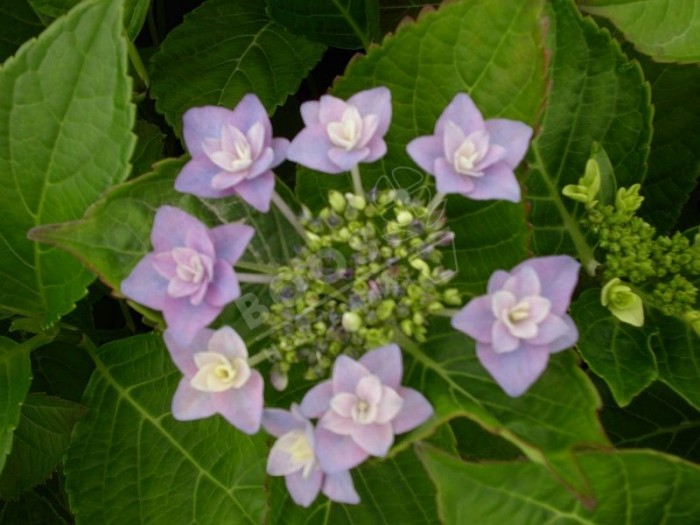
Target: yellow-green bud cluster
370	267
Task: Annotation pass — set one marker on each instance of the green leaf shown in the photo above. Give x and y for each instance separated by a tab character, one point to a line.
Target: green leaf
424	74
15	376
657	418
223	50
632	488
391	491
597	95
674	160
666	30
149	147
33	508
349	24
18	23
394	12
41	438
65	121
61	369
131	462
677	349
618	352
544	423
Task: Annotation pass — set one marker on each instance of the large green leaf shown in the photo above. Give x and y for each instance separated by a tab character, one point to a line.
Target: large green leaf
657	418
667	30
65	121
597	95
223	50
41	438
677	349
632	488
18	23
618	352
15	376
393	12
33	508
391	491
557	414
131	462
506	78
350	24
674	160
149	147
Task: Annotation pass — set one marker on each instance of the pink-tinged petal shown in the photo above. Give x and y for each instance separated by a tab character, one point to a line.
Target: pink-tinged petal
568	339
258	191
375	101
375	438
178	288
501	338
539	308
250	111
447	180
165	264
452	139
385	363
330	109
196	178
558	278
515	371
514	136
279	151
336	453
343	403
184	319
279	461
183	355
463	112
369	128
172	228
550	329
310	148
339	487
316	402
334	422
346	374
377	149
476	319
225	180
224	288
309	112
242	407
498	182
279	422
415	411
495	154
523	283
346	160
369	389
502	301
145	285
202	123
497	281
190	403
389	406
262	164
231	240
227	342
304	490
425	151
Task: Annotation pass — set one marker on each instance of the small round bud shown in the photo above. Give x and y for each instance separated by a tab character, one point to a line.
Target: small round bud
351	322
337	201
404	217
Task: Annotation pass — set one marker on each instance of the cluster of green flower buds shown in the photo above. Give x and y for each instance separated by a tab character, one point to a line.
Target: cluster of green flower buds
636	261
370	267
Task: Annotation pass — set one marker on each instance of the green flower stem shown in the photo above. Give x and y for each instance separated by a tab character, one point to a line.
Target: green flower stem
257	268
357	181
138	63
258	278
288	214
435	202
447	312
258	358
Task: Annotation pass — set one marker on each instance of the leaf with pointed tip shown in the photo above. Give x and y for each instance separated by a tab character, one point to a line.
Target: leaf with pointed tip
223	50
393	12
18	23
149	147
666	30
131	462
65	136
631	488
15	376
618	352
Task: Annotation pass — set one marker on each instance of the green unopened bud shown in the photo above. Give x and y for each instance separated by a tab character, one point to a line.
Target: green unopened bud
452	297
313	240
337	201
385	309
356	201
421	266
407	327
622	302
278	378
588	186
692	317
404	217
628	199
351	322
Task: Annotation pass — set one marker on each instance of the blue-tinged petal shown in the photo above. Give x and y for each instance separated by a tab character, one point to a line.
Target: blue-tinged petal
258	191
463	112
498	182
339	487
145	285
514	136
515	371
385	363
231	240
476	319
190	403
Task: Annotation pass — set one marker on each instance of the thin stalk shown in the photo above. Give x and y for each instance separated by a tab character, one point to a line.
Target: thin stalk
136	61
447	312
357	181
257	268
258	278
437	200
288	214
258	358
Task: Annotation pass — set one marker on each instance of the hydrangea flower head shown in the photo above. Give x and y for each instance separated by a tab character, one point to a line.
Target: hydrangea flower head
522	320
339	134
233	152
189	274
362	407
294	456
217	379
473	156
